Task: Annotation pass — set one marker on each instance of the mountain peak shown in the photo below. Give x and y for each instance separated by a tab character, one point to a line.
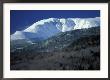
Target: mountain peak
49	27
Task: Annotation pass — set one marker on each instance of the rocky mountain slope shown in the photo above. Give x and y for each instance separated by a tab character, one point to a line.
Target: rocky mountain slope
71	50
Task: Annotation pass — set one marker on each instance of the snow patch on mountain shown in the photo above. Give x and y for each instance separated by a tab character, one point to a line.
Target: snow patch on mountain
18	35
86	23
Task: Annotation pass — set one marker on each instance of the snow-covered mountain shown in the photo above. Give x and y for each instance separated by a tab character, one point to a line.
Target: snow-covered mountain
46	28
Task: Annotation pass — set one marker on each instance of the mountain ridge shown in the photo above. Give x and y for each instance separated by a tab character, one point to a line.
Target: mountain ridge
49	27
56	42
